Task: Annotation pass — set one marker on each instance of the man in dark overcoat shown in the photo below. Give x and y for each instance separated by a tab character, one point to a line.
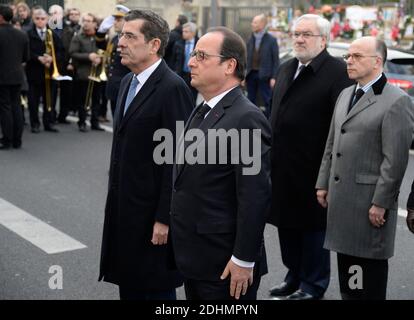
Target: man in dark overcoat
135	246
306	90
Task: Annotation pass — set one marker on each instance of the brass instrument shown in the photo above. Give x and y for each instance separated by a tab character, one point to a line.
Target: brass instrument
94	77
50	50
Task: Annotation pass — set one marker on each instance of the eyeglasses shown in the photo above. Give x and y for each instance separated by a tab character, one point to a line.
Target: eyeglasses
305	35
128	35
356	56
201	55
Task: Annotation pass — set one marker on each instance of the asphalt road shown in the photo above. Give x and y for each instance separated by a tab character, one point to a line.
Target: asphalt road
61	179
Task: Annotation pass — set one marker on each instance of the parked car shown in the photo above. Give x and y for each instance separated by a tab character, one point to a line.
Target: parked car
399	67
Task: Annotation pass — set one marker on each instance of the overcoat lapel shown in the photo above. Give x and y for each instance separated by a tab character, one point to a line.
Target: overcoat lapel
143	94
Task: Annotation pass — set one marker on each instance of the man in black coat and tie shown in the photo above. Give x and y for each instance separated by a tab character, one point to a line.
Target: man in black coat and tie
135	246
13	52
39	61
304	98
218	208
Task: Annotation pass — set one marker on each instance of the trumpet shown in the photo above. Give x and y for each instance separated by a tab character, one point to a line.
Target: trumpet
50	50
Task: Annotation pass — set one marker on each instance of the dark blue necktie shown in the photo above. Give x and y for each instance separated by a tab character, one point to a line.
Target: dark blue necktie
358	94
131	92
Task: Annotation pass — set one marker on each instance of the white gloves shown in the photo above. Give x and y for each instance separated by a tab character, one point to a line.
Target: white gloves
106	24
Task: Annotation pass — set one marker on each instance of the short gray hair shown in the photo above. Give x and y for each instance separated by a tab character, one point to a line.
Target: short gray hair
39	11
324	26
381	49
190	25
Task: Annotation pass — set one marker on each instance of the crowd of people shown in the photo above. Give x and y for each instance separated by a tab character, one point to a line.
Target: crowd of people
333	147
68	63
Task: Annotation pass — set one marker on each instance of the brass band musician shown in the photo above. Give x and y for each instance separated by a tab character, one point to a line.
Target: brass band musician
41	65
84	52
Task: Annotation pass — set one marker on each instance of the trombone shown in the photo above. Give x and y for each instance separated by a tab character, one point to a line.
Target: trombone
50	50
94	77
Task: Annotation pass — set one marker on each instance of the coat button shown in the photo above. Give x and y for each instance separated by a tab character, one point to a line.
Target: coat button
338	155
336	178
343	131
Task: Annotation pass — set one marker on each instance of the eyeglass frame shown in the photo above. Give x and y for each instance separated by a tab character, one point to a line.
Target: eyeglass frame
204	55
357	56
127	35
305	35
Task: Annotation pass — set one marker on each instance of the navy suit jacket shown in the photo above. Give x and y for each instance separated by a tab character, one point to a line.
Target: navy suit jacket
269	56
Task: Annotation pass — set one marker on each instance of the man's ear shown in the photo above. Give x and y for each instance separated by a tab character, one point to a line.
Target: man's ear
155	46
231	66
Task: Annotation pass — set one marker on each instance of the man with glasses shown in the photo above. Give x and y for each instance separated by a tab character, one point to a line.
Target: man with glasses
306	90
135	243
362	168
217	210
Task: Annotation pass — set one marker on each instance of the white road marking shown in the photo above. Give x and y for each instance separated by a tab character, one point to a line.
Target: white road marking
76	119
412	152
39	233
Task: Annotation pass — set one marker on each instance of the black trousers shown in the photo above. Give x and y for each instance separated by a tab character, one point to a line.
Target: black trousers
374	278
307	261
217	290
11	116
113	107
37	91
81	91
103	100
67	100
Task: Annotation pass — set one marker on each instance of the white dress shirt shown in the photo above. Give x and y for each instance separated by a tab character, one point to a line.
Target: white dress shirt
144	75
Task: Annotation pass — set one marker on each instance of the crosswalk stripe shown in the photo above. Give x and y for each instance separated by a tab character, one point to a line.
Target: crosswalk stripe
32	229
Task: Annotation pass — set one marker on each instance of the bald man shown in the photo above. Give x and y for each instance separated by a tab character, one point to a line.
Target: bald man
365	158
262	63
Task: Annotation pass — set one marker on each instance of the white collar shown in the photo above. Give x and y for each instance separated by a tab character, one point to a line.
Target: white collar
368	85
144	75
215	100
300	64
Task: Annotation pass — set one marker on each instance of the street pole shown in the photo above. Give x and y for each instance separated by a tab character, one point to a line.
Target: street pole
214	13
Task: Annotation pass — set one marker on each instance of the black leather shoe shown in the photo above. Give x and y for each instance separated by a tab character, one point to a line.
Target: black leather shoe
51	129
283	289
82	128
35	130
97	128
301	295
